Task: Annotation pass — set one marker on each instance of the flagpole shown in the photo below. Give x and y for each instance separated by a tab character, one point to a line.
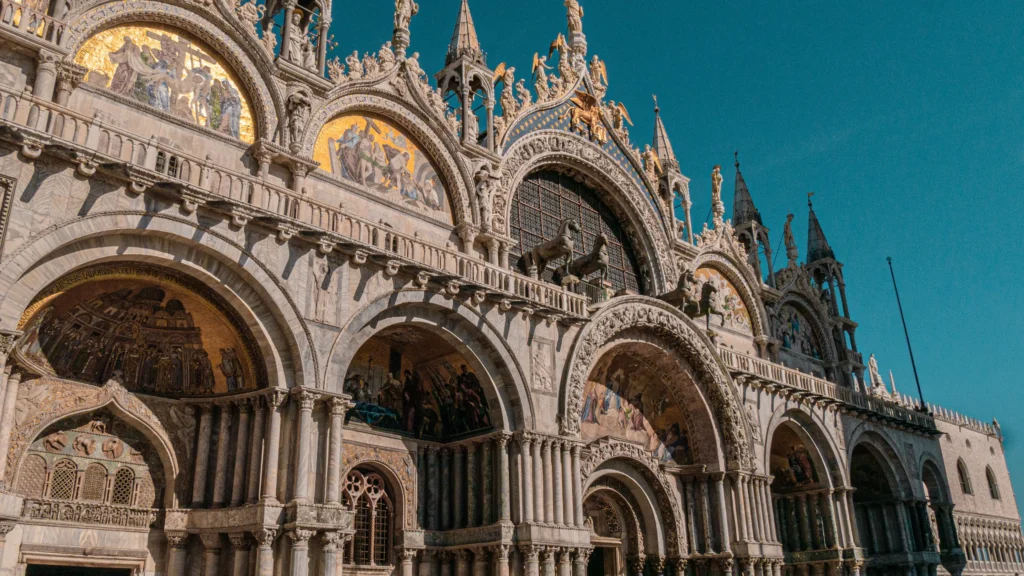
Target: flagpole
924	407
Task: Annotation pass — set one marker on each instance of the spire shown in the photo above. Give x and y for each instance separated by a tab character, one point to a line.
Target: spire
662	146
465	43
743	209
817	246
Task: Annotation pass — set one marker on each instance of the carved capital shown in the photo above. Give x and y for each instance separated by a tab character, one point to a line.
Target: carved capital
307	400
211	541
300	537
8	340
276	399
177	539
339	406
240	540
330	541
265	537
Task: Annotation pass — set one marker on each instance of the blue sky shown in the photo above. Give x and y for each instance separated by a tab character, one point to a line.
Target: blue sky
904	117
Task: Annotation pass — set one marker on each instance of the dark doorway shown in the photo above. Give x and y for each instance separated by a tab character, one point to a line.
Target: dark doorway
596	566
45	570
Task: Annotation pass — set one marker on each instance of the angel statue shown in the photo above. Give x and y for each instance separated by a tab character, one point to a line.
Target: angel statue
574	15
250	13
620	117
404	11
598	74
507	77
525	98
540	68
792	253
559	45
355	65
652	164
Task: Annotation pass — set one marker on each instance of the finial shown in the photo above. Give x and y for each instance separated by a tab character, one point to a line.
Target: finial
809	205
656	109
736	155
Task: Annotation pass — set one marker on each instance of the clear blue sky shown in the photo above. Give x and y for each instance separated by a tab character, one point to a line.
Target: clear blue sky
906	119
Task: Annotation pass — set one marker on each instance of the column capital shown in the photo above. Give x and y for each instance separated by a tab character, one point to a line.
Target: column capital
408	554
583	555
175	539
265	537
564	555
462	555
307	400
210	541
276	398
244	406
8	340
502	440
502	551
330	541
300	537
239	540
339	406
530	551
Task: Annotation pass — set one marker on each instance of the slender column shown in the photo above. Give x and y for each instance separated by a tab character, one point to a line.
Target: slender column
538	481
272	454
527	445
487	479
427	559
691	515
736	509
220	476
303	447
813	514
462	562
7	417
446	488
831	530
515	481
480	562
338	407
241	443
446	563
472	479
723	530
500	556
286	29
850	519
582	559
175	553
901	520
459	487
705	509
556	480
549	488
407	557
773	521
202	453
502	485
750	524
432	488
805	537
331	550
547	564
265	553
421	489
256	450
531	562
926	526
567	493
300	551
564	563
211	555
240	556
577	490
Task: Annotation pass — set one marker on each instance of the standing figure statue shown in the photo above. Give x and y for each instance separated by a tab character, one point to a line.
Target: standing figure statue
296	37
540	68
574	14
404	11
717	207
792	253
298	115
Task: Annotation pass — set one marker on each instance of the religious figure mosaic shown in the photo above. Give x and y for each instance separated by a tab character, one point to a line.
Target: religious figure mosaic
796	333
166	70
407	382
373	153
158	339
624	398
735	315
791	462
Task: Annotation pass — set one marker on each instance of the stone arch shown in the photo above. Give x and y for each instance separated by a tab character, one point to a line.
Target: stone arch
738	276
61	400
813	312
809	427
881	448
677	335
624	510
936	487
397	468
265	99
564	151
224	267
431	137
463	327
656	518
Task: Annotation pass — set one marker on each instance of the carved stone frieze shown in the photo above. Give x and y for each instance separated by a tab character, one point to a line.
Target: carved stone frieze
90	513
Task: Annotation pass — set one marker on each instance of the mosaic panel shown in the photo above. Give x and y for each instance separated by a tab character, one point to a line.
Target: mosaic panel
730	303
796	333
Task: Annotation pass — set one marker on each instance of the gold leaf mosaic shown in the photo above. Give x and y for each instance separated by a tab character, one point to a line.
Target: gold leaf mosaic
161	68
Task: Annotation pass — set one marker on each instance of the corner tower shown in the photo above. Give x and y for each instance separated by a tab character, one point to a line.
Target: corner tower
466	75
671	181
749	228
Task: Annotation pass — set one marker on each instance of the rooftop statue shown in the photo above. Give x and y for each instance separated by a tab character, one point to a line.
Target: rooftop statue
792	253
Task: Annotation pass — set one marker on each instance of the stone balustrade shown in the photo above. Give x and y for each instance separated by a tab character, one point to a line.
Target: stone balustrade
22	19
148	164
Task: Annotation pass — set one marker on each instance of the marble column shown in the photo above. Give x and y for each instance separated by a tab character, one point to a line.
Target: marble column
202	459
528	506
746	516
303	447
723	530
472	484
272	454
901	525
256	449
421	487
300	551
581	559
330	551
480	562
487	479
813	513
241	444
427	560
531	561
577	489
176	555
459	481
220	476
446	488
538	481
564	562
338	406
547	562
773	523
705	511
500	555
462	558
211	554
7	418
804	525
433	487
851	521
556	481
240	556
502	488
407	557
831	530
567	494
446	562
549	488
265	552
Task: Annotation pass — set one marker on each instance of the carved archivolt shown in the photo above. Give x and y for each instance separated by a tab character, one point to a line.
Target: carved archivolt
555	148
265	98
398	466
427	135
661	320
42	402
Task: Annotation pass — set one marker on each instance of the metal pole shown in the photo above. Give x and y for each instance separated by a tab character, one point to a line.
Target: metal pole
924	407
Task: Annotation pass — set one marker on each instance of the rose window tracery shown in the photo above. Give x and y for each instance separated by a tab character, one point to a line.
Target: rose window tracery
366	493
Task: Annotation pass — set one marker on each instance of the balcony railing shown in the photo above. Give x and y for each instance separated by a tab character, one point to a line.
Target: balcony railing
248	197
16	15
802	384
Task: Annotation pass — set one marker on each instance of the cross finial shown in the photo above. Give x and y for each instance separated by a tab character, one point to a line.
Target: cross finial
736	155
656	109
809	195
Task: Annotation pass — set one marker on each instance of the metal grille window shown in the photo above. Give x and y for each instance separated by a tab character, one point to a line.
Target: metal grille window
33	477
62	483
94	483
371	544
124	485
544	200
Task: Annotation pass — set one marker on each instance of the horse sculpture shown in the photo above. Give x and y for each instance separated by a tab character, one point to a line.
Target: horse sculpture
558	247
596	261
686	297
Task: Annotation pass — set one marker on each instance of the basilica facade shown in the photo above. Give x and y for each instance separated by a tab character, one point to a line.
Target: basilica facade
266	312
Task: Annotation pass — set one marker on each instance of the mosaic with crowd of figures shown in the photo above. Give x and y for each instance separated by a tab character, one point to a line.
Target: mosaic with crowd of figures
791	462
730	306
796	333
626	398
411	381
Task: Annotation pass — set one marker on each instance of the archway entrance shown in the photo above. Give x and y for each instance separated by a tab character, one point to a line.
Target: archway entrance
613	521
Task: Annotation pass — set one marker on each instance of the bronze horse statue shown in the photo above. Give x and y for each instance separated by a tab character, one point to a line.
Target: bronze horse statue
558	247
692	304
596	261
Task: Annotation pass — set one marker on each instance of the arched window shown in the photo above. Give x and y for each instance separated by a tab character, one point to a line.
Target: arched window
63	480
366	492
993	486
124	484
94	483
32	478
965	477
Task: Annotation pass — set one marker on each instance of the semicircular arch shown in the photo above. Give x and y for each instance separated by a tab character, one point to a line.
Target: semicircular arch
811	430
880	446
814	314
734	272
